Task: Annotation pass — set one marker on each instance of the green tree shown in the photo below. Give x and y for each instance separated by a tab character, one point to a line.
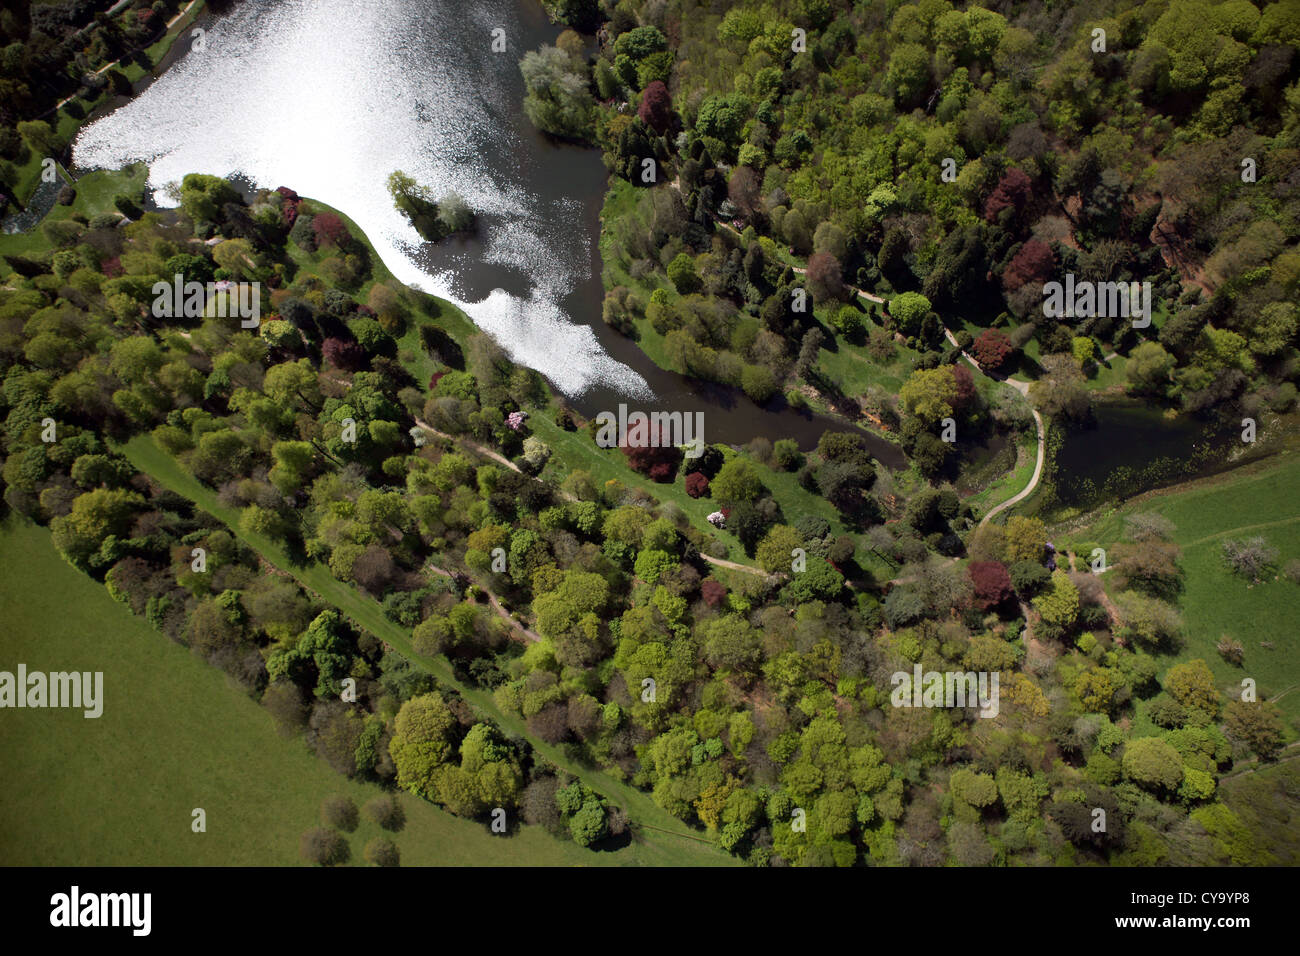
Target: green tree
557	100
774	551
1192	685
1059	604
1025	539
929	393
908	310
1149	369
1152	763
682	274
736	482
422	743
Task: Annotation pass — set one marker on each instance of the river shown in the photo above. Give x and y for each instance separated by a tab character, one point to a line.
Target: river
330	96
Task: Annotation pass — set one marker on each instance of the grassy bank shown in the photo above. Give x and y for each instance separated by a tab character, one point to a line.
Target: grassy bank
175	735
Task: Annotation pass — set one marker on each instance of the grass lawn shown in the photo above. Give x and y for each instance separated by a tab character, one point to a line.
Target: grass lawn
1011	483
1257	499
95	192
175	734
678	846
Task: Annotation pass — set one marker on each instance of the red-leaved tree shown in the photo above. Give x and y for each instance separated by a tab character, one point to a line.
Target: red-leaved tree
1012	192
659	464
961	374
330	230
991	348
825	277
348	356
656	109
697	486
991	581
713	592
1033	263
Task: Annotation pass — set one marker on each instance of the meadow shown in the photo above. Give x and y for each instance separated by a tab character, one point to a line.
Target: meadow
1254	500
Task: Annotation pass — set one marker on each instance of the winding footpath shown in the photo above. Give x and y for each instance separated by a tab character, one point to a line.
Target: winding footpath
1019	385
501	459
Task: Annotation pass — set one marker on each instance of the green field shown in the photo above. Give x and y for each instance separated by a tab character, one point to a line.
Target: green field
1258	499
677	846
175	734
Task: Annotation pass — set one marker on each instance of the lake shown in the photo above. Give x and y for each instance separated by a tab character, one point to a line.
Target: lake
1131	447
329	97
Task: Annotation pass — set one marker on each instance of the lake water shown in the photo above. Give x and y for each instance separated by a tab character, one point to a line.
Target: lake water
1132	447
330	96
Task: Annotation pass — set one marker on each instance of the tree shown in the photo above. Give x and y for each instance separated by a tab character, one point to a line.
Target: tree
1033	264
974	789
1028	577
730	643
323	847
1258	725
929	394
1013	191
722	117
1249	557
845	483
1026	539
339	812
1059	604
1192	685
825	278
656	109
697	486
386	811
991	348
382	851
330	231
96	516
1148	621
908	310
908	74
774	551
1062	391
1149	369
737	481
557	98
819	582
421	743
1150	565
1152	763
992	583
682	274
417	204
809	350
